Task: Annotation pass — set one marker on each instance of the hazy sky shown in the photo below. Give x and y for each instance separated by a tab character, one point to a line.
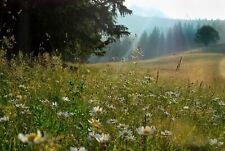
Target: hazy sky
185	9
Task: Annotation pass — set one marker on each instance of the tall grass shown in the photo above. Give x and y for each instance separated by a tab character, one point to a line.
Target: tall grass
98	109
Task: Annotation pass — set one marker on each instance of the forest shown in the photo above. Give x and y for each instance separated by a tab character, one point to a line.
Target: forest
160	41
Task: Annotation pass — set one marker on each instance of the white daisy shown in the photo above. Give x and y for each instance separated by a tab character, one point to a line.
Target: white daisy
36	138
103	138
96	110
146	130
78	149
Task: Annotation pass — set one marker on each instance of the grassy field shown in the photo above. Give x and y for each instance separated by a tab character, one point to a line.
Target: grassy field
197	66
134	106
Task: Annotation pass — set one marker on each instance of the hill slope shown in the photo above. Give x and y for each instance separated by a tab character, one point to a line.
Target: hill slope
205	65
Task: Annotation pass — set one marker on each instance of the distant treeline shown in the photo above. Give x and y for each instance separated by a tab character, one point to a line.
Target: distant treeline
158	41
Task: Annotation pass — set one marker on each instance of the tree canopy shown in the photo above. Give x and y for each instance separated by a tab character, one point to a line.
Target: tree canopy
206	35
73	27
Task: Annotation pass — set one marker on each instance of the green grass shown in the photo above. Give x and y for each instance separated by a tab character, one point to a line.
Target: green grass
129	96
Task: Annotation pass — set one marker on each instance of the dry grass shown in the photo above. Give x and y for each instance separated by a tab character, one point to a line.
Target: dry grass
197	67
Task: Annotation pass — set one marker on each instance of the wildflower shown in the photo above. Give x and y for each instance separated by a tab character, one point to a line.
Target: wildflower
57	81
149	78
4	119
96	124
148	115
22	86
54	104
44	101
216	99
78	149
96	110
166	133
145	108
220	144
173	94
63	114
146	130
213	141
152	95
19	105
36	138
66	99
112	121
126	134
186	107
91	101
173	118
221	103
130	137
174	100
111	106
125	110
19	97
166	113
91	135
103	138
122	126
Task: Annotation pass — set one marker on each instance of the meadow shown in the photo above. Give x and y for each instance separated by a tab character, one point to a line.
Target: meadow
124	106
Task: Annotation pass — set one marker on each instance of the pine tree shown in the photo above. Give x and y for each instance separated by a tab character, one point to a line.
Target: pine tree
76	27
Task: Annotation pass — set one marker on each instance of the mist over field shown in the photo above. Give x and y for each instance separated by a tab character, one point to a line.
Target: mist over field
157	36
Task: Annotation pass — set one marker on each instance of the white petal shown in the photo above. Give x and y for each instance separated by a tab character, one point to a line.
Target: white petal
22	138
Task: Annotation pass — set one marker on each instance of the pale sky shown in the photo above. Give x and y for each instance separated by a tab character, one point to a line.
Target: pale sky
182	9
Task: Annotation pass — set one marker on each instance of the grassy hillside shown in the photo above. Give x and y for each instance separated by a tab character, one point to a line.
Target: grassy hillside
206	65
116	106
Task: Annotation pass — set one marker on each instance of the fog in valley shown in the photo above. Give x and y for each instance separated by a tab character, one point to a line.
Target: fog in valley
156	37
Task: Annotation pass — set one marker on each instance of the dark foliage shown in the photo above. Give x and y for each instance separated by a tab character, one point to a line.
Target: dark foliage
207	35
73	27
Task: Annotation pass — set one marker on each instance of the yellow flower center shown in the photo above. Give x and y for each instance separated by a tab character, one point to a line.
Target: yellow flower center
146	132
31	137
